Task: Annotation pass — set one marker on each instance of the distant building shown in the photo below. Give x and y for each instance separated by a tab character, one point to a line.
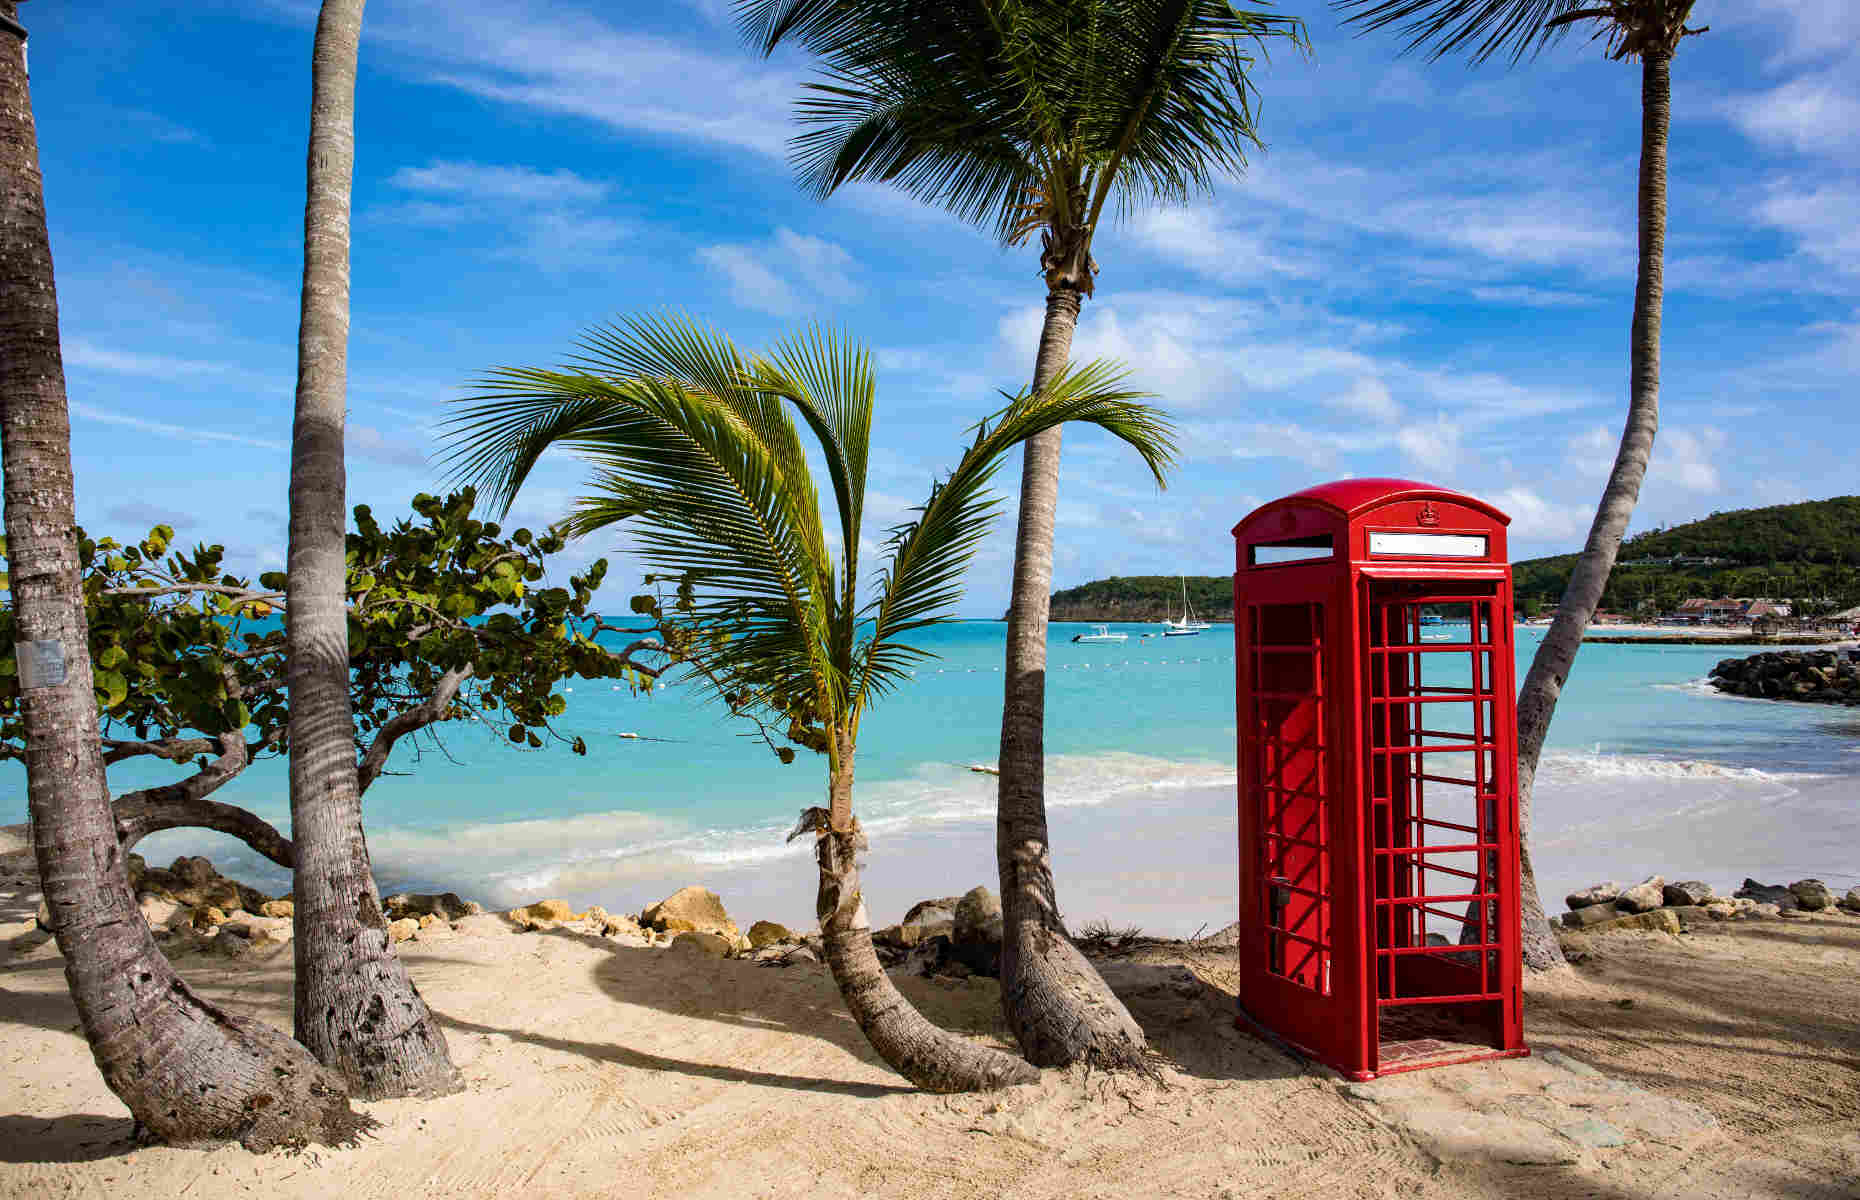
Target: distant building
1766	608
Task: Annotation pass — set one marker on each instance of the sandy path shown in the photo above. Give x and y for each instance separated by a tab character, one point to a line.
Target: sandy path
595	1069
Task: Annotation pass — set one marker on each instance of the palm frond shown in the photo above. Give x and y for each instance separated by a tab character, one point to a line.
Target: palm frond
923	579
715	487
1478	28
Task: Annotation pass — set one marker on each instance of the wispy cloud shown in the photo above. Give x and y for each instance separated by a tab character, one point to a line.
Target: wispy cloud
787	275
547	218
184	433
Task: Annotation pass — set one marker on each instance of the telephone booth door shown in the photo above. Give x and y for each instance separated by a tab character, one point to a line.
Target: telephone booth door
1439	756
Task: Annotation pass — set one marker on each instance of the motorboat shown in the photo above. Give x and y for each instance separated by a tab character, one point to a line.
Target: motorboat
1100	633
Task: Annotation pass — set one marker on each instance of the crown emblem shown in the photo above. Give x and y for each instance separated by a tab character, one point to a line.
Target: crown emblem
1427	515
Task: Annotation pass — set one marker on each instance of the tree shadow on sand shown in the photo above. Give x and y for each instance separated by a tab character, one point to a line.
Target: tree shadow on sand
73	1138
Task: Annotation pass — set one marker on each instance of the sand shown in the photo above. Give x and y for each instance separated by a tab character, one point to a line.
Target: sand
595	1069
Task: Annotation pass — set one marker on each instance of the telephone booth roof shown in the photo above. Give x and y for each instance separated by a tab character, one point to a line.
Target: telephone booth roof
1351	498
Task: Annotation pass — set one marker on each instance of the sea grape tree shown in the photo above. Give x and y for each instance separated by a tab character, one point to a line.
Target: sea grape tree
450	619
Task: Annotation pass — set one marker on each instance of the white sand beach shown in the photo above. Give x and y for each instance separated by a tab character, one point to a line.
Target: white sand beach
1715	1064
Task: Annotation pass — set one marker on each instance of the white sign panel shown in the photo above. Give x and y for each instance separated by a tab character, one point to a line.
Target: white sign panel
1428	545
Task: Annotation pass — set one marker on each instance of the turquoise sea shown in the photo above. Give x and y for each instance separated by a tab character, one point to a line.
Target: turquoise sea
1648	770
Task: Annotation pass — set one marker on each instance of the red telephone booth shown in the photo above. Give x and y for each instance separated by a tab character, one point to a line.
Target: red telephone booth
1378	776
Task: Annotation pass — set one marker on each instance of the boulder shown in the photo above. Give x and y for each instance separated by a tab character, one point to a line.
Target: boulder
229	943
1659	920
1689	892
702	942
768	933
1768	893
1812	894
222	894
208	917
911	934
1722	910
1599	893
194	871
1765	912
932	911
401	930
1592	914
255	927
277	908
1645	896
445	905
691	910
1851	901
977	919
162	882
158	911
135	866
250	898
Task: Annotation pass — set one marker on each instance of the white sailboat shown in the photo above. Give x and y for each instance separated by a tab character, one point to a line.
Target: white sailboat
1100	633
1188	626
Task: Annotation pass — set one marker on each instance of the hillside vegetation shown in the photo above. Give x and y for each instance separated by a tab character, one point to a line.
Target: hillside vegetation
1808	552
1145	598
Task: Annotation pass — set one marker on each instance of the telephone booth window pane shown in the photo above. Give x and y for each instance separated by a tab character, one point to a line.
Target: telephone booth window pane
1287	719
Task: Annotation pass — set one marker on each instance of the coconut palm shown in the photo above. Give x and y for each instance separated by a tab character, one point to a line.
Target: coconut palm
1651	31
357	1009
692	446
189	1072
1030	116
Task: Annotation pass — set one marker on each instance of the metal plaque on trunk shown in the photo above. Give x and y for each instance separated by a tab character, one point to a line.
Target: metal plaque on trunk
41	664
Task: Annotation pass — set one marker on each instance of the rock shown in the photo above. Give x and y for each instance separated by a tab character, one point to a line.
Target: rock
1574	1066
193	871
1644	896
1690	892
911	934
401	930
434	929
1599	893
1594	914
158	911
1659	920
1768	893
1812	894
621	926
1689	914
445	905
1851	901
768	933
702	942
484	925
250	898
135	866
546	910
278	908
1721	910
977	919
162	882
932	910
801	954
230	943
1768	912
433	919
690	910
208	917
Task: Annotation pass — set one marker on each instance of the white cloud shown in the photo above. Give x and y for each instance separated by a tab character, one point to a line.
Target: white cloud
486	182
1815	113
78	353
786	275
164	429
1525	296
1537	520
1368	397
1824	217
1689	460
554	217
1433	445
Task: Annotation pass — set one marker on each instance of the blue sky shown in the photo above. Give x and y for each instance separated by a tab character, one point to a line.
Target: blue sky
1429	272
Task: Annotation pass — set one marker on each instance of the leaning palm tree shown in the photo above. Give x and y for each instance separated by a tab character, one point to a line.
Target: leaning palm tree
1651	31
191	1073
357	1009
693	447
1031	116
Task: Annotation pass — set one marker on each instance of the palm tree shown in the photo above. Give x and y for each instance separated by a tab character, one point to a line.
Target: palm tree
1031	116
357	1010
693	444
1651	31
190	1073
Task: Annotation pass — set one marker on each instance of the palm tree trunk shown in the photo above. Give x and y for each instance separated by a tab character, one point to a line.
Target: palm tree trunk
1557	655
191	1074
934	1059
357	1010
1057	1004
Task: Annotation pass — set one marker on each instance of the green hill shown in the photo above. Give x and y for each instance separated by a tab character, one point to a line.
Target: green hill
1808	552
1145	598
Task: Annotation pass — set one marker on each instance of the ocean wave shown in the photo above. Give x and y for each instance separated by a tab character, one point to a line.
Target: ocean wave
1598	765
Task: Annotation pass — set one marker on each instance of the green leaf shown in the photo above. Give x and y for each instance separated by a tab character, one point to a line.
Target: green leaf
111	656
111	687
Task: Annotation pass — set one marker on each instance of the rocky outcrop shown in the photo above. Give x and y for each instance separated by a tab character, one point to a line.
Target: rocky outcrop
1816	676
440	904
1645	896
1812	894
691	910
1689	893
1692	901
764	934
1600	893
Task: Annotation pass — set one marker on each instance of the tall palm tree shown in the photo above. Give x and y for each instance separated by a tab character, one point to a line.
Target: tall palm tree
357	1009
1031	116
190	1073
1651	31
693	445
